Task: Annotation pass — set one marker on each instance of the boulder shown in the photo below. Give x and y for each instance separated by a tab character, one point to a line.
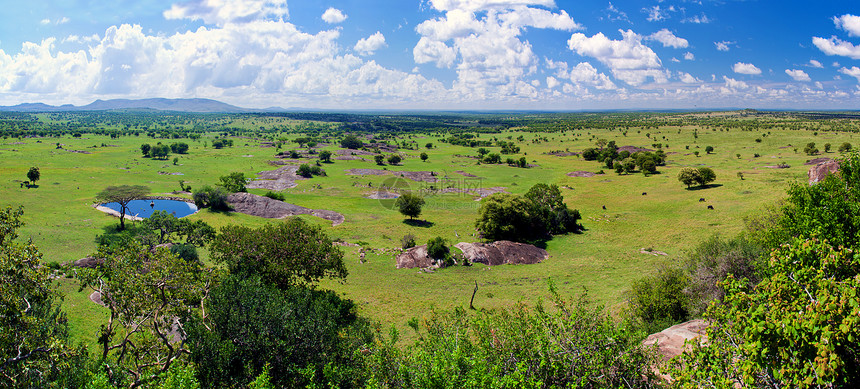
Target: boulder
821	170
502	252
261	206
88	262
415	257
670	342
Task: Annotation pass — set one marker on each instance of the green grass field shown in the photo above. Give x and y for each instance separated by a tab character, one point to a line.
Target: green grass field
603	260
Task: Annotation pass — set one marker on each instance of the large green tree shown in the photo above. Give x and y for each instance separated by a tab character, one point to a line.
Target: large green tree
122	195
409	204
147	292
503	216
798	328
287	253
34	346
300	336
33	175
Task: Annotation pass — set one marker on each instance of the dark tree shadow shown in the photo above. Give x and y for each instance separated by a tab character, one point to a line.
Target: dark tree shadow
702	187
418	223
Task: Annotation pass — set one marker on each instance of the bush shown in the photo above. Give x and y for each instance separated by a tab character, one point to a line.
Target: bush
409	204
275	196
571	344
710	264
661	300
394	159
234	182
351	142
185	251
437	249
407	241
213	198
302	337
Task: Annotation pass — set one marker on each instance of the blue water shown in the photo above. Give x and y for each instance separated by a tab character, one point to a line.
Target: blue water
143	208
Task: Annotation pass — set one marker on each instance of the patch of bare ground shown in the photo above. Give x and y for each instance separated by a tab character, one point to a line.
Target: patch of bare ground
261	206
779	166
171	173
652	251
78	151
282	178
366	172
581	174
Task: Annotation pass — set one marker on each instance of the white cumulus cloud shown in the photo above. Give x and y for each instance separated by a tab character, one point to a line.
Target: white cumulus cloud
488	51
853	72
745	68
733	84
849	23
815	64
221	12
476	5
836	46
333	16
689	56
629	59
687	78
367	46
697	19
656	14
798	75
668	39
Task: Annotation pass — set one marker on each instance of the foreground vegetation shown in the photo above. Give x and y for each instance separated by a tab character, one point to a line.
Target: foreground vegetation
355	307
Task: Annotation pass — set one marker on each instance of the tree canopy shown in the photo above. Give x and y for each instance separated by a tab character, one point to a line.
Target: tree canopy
288	253
409	204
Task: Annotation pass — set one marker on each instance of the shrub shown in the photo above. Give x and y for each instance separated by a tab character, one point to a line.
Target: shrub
394	159
437	248
275	196
185	251
379	159
660	300
407	241
209	197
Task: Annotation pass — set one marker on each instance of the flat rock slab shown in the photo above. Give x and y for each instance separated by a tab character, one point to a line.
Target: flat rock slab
670	342
415	257
414	176
279	179
261	206
502	252
581	174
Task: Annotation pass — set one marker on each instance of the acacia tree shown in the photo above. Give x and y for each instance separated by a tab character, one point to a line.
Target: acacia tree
122	195
147	292
409	204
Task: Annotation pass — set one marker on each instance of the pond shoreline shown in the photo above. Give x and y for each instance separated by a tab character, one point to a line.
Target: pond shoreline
117	214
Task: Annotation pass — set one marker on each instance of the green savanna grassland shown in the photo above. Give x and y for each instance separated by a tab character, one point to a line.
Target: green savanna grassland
655	212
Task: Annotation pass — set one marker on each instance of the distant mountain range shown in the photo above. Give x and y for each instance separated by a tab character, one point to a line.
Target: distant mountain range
178	105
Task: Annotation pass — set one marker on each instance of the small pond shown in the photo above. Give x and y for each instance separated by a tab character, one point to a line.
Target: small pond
145	208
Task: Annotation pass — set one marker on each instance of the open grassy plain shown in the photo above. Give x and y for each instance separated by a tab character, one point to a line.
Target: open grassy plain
654	212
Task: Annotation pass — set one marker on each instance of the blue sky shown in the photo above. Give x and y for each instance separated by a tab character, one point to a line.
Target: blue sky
436	54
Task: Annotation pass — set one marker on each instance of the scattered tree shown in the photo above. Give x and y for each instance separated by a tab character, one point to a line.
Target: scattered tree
145	149
122	195
688	175
424	157
844	147
409	204
33	175
706	175
709	149
325	156
394	159
810	149
827	147
379	159
351	142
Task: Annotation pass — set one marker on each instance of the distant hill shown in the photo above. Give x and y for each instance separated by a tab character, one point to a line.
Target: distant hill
178	105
